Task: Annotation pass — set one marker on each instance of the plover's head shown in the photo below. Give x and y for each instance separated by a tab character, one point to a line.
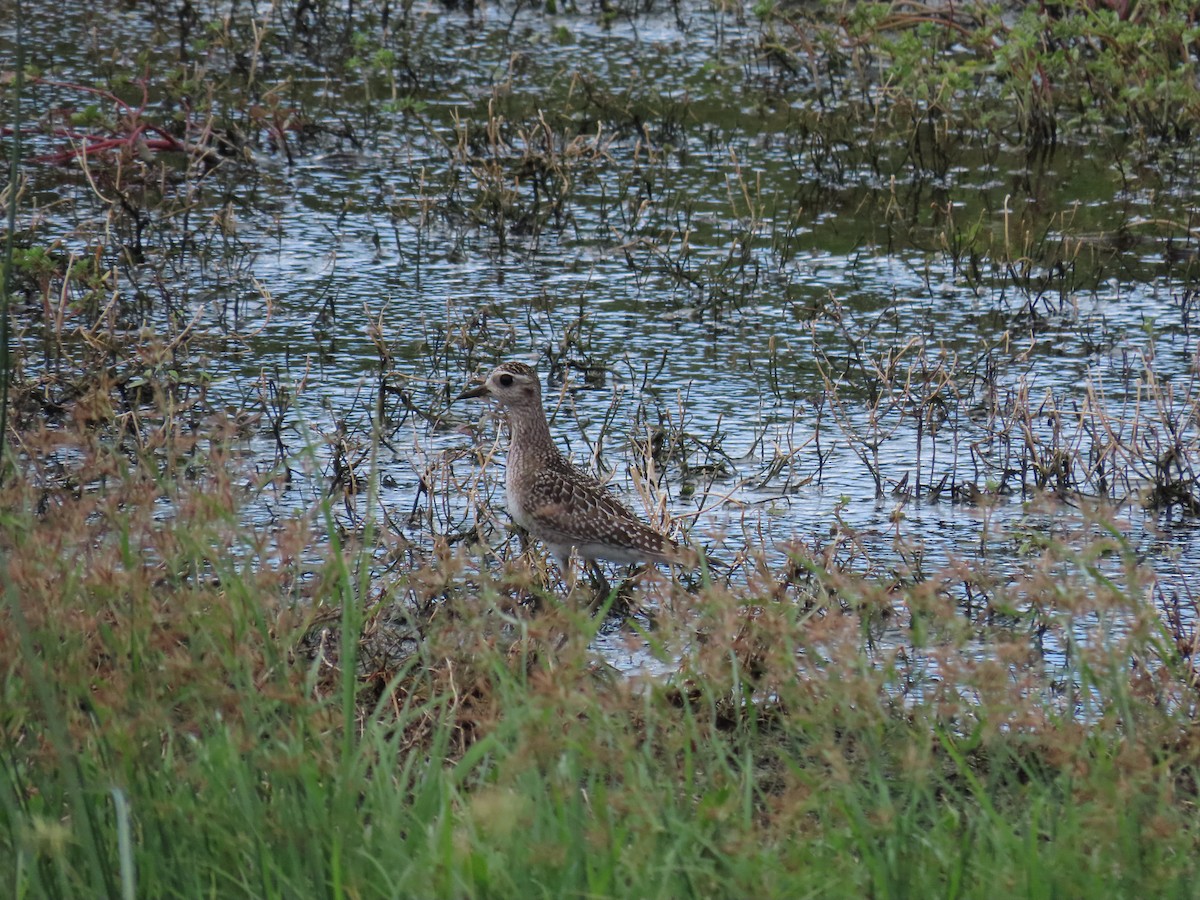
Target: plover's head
510	384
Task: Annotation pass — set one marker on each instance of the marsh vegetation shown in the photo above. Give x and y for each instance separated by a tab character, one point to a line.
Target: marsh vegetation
892	307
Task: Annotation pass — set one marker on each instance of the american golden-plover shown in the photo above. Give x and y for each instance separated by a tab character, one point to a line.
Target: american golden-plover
552	499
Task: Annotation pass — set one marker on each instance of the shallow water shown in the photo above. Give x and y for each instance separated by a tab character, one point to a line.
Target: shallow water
722	273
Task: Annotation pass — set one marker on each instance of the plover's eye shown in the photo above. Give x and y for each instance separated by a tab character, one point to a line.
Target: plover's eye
506	380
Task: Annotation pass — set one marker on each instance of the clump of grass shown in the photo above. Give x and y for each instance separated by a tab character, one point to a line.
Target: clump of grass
1031	73
1125	441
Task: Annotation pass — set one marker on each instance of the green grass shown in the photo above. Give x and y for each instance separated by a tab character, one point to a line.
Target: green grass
163	736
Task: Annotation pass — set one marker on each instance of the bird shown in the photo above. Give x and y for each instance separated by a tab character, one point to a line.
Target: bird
554	500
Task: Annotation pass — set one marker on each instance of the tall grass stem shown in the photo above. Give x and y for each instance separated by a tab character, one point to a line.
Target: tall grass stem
14	172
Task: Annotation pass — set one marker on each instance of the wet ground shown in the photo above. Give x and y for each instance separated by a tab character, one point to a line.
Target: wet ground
943	344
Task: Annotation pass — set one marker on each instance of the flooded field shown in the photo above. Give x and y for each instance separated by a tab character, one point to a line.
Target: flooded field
816	316
889	308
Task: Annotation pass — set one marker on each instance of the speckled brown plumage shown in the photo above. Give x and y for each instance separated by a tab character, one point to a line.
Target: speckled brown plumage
551	498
